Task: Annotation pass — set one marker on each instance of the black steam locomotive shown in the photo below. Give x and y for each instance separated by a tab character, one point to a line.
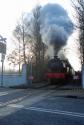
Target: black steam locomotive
58	71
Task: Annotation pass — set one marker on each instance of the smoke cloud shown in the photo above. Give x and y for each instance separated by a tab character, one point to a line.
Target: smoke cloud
56	26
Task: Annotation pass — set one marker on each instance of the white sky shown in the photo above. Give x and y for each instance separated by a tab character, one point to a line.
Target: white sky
10	11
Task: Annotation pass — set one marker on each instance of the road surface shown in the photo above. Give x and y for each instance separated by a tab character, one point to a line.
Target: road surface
39	107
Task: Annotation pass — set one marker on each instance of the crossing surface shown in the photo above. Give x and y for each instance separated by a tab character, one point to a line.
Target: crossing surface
40	107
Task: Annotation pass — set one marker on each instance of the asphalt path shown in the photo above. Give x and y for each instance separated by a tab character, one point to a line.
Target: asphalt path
39	107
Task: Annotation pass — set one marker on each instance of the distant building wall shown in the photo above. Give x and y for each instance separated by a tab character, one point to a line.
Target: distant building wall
14	79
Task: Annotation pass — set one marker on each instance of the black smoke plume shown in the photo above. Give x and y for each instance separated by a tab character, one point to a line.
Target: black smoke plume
56	26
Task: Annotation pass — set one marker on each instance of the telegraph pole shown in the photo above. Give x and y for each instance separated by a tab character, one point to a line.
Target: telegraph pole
2	60
3	52
2	74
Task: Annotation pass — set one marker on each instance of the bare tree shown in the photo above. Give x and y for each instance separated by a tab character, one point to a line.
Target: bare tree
16	57
79	7
39	46
27	33
22	42
21	34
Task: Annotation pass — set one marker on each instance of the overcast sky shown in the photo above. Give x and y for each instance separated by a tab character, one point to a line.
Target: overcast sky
11	10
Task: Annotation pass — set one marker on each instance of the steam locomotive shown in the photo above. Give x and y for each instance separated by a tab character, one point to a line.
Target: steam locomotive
58	71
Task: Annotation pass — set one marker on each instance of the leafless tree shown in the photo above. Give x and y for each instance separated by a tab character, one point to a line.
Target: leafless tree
79	7
21	34
27	33
39	47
